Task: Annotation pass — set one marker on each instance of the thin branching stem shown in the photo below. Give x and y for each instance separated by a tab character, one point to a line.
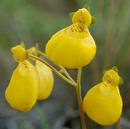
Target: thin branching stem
42	54
66	73
54	70
79	99
66	77
61	67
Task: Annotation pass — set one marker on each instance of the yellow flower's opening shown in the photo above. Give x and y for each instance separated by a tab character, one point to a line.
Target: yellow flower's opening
19	53
82	16
112	77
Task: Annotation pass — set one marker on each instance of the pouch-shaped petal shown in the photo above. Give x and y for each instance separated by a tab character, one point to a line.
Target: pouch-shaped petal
22	90
71	47
45	80
103	103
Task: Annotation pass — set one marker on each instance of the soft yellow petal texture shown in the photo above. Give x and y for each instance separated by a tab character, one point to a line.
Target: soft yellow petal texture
103	102
46	80
22	90
19	53
112	77
71	47
83	16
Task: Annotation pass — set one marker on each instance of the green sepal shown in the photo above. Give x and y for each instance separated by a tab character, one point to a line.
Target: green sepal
71	14
93	20
87	7
37	49
115	68
22	44
121	82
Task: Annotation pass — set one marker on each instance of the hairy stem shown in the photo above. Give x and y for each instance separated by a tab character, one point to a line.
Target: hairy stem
54	70
79	99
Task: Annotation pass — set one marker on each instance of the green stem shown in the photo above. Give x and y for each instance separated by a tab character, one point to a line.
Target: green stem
69	80
79	99
66	73
61	67
54	70
42	54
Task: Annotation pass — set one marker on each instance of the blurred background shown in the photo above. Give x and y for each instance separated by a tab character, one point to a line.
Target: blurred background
34	21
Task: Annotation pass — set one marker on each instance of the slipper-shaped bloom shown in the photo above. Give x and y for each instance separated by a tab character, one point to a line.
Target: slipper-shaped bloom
46	80
45	75
73	46
22	91
103	102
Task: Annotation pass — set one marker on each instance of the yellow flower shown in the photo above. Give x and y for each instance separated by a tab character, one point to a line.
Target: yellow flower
45	76
112	77
103	102
22	90
19	53
73	46
82	16
45	80
28	83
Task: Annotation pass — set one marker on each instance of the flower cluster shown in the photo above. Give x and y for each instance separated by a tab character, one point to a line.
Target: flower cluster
29	82
72	47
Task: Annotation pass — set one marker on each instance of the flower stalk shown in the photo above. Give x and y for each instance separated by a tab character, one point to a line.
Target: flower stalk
79	99
66	77
54	70
61	67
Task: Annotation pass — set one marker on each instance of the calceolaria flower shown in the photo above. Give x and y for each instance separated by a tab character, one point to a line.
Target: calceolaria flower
22	90
46	80
103	102
73	46
28	83
45	75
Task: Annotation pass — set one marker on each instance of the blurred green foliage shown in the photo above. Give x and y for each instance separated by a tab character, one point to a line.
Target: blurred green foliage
35	21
